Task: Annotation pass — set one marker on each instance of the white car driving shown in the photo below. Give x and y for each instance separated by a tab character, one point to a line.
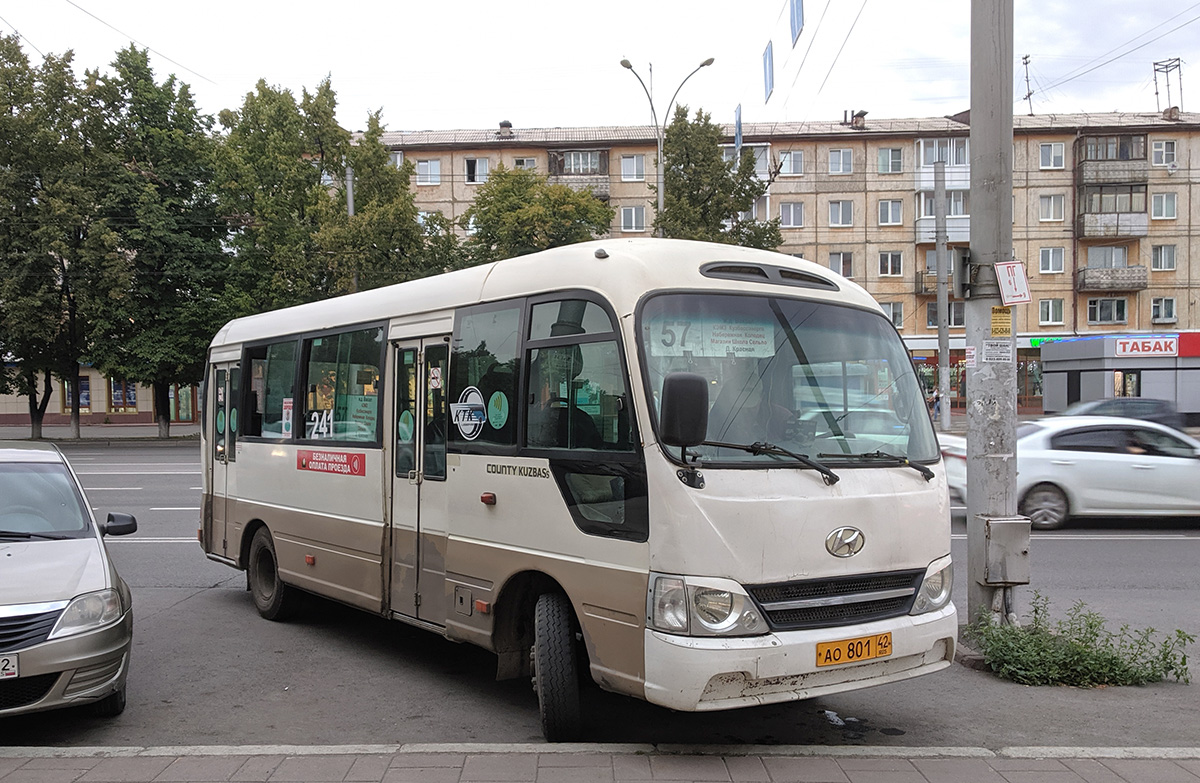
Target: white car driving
1069	466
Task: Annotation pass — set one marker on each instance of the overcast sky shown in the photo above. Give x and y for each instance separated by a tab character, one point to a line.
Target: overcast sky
546	63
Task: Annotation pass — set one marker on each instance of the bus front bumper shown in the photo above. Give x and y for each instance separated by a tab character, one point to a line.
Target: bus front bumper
698	674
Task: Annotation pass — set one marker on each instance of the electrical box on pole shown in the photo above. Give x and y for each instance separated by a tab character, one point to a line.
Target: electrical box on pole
961	274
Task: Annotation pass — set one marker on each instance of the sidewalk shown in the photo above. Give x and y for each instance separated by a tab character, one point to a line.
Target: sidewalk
585	763
104	432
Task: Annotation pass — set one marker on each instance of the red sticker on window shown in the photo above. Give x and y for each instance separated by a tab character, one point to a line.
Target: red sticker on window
346	463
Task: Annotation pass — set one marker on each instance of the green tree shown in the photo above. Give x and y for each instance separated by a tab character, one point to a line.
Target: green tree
706	197
58	254
157	195
277	168
517	211
382	242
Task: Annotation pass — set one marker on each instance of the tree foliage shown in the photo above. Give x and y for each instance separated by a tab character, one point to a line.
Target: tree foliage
706	197
157	195
58	251
517	211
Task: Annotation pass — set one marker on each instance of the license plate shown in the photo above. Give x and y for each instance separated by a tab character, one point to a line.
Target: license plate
863	648
8	666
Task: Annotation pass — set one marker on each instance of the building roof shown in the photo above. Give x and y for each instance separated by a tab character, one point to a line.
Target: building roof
761	131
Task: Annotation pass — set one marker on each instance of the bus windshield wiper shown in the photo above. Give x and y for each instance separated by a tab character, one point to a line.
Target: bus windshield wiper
884	456
761	447
23	534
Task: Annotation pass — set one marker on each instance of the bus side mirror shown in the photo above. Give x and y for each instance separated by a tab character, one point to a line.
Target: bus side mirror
683	413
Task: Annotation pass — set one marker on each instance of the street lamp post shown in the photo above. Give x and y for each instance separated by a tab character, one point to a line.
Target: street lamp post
659	130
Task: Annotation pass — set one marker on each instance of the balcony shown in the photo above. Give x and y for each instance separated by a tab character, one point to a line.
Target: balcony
1124	278
1110	225
598	183
1112	172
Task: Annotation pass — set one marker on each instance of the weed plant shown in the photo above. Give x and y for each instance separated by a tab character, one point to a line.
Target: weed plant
1079	650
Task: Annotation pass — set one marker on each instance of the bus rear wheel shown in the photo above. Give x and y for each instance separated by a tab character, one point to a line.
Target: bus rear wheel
273	599
556	668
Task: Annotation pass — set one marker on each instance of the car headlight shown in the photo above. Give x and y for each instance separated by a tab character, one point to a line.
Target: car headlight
88	612
935	588
698	606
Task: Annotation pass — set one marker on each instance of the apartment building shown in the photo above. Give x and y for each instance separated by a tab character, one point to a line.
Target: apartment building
1105	213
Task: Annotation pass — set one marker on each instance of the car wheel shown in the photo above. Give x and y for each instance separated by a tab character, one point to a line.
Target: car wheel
1046	507
556	668
273	599
110	706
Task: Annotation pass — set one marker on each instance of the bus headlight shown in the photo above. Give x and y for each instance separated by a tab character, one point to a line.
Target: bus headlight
935	588
698	606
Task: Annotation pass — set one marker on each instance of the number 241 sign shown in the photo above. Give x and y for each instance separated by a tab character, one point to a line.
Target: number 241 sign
1014	287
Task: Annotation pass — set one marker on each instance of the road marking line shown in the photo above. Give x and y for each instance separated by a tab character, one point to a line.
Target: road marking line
176	508
150	540
112	489
136	472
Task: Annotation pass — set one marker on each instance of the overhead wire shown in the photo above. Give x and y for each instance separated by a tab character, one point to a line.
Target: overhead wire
843	46
22	37
139	43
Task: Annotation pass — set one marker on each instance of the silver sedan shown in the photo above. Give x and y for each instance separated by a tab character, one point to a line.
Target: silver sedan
1069	466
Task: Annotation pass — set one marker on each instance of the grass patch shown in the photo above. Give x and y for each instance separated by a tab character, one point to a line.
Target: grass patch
1079	650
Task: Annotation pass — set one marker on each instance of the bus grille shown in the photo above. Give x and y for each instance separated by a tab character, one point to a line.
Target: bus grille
24	691
26	630
823	603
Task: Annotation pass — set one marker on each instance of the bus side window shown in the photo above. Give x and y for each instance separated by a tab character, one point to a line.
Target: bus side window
270	393
483	376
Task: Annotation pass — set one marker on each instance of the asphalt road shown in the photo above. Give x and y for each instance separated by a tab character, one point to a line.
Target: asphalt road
207	670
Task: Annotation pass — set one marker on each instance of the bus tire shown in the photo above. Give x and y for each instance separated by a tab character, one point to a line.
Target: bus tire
273	599
556	668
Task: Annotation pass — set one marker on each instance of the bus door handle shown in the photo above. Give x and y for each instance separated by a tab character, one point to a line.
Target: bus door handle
414	477
221	452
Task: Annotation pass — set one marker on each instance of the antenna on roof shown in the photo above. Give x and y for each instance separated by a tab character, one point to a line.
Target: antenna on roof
1165	67
1028	92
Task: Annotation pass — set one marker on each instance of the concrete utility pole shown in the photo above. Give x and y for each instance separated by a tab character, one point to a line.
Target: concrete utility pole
350	213
991	359
943	298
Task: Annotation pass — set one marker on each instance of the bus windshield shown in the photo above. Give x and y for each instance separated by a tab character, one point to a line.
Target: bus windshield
811	377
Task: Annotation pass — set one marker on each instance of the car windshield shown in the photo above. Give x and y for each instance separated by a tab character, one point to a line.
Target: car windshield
39	499
811	377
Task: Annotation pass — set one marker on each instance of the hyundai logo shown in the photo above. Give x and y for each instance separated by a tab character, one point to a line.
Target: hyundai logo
845	542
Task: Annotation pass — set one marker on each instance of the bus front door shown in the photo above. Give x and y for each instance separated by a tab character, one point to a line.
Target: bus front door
418	518
223	482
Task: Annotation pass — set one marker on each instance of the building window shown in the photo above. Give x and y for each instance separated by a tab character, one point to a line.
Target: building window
762	165
633	168
891	263
1108	257
958	203
951	151
1050	312
471	228
1052	155
1162	206
423	216
396	158
525	163
122	396
891	160
889	212
85	395
955	315
1114	148
842	263
1162	257
768	71
841	162
1051	207
582	162
429	172
931	264
841	213
894	312
1109	199
1106	311
477	171
633	218
791	163
791	215
1162	309
1052	260
1163	152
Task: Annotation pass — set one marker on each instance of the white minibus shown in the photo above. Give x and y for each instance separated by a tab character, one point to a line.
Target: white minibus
701	474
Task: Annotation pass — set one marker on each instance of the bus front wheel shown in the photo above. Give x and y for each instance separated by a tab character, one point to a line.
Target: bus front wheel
556	668
273	599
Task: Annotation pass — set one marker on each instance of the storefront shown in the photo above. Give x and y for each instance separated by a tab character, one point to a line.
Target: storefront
1156	366
1029	371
